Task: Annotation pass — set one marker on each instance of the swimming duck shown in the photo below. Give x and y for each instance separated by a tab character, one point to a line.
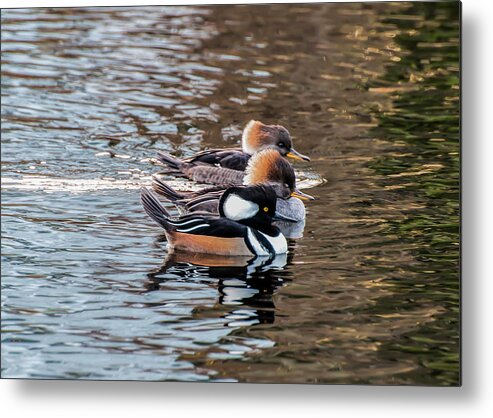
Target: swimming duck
265	167
243	228
256	137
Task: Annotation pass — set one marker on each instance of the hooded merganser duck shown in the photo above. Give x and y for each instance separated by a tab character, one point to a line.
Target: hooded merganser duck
265	167
256	137
243	228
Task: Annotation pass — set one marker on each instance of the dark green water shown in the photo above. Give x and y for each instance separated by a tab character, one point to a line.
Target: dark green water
369	294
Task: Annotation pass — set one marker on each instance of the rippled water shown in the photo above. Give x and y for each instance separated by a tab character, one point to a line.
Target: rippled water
370	294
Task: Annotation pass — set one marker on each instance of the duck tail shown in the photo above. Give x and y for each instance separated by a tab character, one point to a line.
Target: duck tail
161	188
170	161
154	209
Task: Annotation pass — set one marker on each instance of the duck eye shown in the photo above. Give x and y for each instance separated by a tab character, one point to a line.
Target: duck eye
266	209
286	185
281	144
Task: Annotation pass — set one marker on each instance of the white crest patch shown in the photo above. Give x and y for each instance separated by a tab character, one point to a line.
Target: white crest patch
247	148
237	208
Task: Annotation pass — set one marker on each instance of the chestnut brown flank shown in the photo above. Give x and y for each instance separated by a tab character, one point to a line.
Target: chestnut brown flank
207	244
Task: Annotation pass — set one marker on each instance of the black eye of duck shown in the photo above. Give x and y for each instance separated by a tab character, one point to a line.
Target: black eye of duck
281	144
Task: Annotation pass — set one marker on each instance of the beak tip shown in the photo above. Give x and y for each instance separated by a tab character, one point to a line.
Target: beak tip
296	155
301	195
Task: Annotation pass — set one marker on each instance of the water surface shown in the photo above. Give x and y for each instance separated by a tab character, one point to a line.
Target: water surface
370	294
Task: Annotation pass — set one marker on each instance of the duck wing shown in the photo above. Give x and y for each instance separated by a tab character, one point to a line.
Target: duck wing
205	203
208	174
233	158
199	223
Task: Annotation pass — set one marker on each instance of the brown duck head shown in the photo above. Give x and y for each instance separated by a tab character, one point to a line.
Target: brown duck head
269	167
257	136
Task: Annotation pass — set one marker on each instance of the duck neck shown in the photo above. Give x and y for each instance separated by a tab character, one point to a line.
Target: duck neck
267	229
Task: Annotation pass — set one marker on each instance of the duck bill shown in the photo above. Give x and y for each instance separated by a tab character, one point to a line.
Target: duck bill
280	217
295	155
301	195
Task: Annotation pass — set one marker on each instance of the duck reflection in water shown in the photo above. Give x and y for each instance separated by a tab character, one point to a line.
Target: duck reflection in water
248	282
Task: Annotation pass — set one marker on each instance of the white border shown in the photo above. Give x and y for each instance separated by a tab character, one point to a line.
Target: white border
88	3
87	399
